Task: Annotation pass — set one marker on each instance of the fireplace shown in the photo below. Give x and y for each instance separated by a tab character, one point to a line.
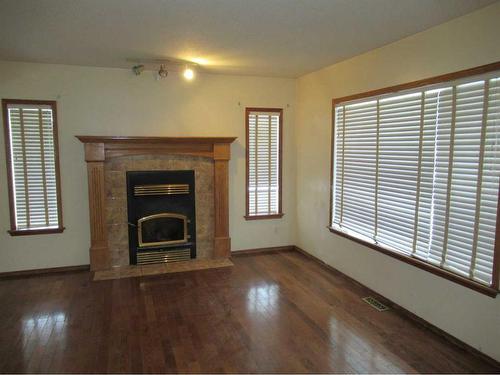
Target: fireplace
161	216
108	236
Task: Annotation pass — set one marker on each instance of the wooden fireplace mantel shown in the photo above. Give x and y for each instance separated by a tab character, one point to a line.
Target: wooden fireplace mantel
98	149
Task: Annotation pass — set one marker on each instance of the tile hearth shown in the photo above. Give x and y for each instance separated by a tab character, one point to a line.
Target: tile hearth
158	269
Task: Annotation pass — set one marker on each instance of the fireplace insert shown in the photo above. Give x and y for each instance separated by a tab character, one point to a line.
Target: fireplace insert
161	216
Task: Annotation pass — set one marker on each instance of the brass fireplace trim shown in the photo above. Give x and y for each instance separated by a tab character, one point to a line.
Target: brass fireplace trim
161	189
156	216
152	257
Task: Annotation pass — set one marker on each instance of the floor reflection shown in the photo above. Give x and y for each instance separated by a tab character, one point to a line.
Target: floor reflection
263	298
41	328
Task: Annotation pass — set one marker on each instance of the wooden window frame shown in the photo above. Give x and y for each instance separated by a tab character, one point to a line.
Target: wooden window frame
280	213
490	291
13	228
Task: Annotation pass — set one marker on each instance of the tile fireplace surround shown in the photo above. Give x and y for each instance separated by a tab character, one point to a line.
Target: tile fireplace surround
108	158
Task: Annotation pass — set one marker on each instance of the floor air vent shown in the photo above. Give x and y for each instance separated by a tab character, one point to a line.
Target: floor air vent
375	303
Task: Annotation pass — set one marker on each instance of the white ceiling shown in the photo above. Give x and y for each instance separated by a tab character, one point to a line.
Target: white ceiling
263	37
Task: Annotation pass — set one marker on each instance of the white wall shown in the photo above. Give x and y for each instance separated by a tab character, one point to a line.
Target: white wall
459	44
97	101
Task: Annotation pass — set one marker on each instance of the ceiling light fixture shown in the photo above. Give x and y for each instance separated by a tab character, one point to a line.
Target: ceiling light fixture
186	68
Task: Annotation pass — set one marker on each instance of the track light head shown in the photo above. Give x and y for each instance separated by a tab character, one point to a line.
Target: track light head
138	69
162	73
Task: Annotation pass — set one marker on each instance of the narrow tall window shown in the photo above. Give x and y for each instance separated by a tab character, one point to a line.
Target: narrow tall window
264	135
33	166
416	173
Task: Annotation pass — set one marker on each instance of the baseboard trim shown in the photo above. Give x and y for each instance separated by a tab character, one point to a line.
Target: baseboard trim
263	250
44	271
406	313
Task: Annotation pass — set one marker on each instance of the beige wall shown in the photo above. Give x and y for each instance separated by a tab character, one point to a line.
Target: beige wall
115	102
462	43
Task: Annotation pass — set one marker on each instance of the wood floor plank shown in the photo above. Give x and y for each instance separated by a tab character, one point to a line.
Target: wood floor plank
269	313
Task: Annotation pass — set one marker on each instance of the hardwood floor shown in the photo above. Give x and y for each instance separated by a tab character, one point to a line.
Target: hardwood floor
269	313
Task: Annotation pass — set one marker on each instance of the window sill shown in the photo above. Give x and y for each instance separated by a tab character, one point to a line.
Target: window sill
489	291
28	232
263	217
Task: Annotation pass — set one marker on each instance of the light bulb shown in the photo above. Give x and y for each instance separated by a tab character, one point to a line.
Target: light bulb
188	74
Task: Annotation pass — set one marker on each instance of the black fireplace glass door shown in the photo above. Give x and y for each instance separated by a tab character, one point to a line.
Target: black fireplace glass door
162	229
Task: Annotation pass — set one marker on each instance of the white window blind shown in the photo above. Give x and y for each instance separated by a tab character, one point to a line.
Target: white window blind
33	166
417	173
263	158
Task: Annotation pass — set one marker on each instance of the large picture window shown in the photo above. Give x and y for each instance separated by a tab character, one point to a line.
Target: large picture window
264	134
33	166
416	173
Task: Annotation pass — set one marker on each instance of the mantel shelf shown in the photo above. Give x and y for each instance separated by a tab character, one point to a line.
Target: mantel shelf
100	148
165	140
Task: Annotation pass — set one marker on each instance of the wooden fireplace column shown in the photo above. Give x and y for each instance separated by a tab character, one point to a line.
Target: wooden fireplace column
222	246
99	149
